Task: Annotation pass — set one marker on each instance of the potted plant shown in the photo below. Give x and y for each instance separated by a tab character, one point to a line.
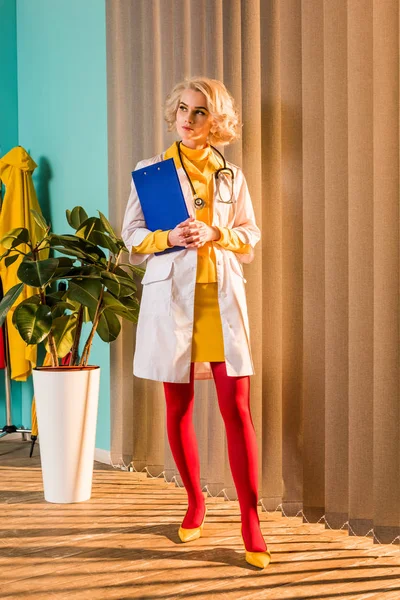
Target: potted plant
98	290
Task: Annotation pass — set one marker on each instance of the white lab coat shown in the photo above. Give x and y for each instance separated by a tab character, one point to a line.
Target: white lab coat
165	325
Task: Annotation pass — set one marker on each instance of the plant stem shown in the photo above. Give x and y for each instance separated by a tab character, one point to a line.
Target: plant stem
44	248
78	330
53	350
52	343
117	260
96	319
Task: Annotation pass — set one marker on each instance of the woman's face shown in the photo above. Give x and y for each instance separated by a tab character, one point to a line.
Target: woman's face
193	121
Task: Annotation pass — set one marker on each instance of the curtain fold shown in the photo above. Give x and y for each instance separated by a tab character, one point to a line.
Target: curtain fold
386	268
336	263
317	84
313	236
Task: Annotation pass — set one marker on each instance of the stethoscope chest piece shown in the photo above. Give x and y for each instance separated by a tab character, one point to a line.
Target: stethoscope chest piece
199	203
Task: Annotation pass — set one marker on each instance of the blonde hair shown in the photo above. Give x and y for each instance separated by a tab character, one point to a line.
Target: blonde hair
226	125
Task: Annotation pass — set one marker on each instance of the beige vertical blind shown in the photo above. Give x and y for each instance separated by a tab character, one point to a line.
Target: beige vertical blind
317	83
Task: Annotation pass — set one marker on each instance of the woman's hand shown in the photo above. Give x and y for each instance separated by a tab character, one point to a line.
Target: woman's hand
175	236
192	234
197	233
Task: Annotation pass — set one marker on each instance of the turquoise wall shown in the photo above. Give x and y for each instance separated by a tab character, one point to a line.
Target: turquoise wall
8	76
62	122
9	139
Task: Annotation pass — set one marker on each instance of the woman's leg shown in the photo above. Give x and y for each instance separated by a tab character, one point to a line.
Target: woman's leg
182	440
234	402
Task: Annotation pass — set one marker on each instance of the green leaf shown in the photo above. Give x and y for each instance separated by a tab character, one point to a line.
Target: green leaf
35	299
6	253
85	291
63	330
126	279
69	251
76	217
55	297
76	246
58	310
107	226
15	237
53	300
11	259
94	231
37	273
111	283
33	322
117	285
87	227
111	303
39	220
8	300
65	264
85	271
102	239
66	237
118	270
129	315
137	270
89	271
130	302
64	261
109	326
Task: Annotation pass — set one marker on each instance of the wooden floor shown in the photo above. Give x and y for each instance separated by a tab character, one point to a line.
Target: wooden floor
123	543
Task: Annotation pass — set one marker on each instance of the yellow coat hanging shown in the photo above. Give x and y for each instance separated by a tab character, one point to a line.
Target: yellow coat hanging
16	168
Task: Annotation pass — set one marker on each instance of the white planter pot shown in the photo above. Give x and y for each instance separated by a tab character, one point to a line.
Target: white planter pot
66	407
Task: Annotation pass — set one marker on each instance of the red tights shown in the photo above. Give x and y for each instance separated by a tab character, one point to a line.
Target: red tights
234	403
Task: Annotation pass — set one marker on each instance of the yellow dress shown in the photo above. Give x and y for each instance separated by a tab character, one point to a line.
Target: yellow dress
207	340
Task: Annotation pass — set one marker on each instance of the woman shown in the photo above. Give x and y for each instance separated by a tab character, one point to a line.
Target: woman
193	320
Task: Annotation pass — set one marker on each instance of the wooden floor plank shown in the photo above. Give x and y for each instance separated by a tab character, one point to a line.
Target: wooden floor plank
123	543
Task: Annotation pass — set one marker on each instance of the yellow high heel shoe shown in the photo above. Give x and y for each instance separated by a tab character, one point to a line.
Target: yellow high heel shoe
257	559
188	535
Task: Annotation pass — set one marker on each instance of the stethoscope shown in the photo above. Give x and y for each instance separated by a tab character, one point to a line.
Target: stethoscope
199	202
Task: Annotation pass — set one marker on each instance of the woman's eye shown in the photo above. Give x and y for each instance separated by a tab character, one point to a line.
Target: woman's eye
198	112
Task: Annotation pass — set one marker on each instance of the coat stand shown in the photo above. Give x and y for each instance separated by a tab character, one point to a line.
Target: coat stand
9	427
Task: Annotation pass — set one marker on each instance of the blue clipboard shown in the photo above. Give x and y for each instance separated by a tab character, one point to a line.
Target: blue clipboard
161	197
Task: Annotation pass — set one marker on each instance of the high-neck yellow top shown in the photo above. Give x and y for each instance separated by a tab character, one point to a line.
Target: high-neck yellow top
200	165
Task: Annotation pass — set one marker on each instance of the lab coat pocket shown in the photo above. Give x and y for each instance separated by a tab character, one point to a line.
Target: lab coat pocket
237	268
157	286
